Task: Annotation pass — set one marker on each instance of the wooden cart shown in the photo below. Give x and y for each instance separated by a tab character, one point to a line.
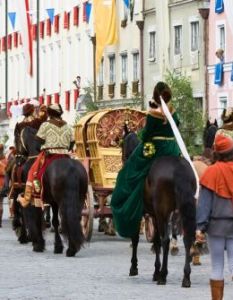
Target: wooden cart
97	137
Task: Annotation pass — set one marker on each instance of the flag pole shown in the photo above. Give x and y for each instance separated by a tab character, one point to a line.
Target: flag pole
38	50
6	52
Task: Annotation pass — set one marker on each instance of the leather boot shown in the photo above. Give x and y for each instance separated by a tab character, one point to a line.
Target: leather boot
217	287
26	198
1	213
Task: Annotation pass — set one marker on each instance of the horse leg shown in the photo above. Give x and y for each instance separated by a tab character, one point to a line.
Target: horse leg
47	216
134	260
58	246
165	244
157	247
174	224
16	222
34	217
188	241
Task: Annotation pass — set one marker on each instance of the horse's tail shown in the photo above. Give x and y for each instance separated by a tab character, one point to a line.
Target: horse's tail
185	187
71	210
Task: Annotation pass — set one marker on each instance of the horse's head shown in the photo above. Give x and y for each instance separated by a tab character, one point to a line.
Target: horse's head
209	133
27	144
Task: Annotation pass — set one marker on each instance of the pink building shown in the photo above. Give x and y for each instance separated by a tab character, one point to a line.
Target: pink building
220	64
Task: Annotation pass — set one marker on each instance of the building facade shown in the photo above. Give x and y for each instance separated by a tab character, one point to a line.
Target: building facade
220	59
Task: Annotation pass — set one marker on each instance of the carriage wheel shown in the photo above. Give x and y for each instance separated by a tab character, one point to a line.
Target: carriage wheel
149	229
88	214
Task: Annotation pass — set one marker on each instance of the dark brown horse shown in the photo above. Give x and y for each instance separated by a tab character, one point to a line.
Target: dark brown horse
65	187
169	186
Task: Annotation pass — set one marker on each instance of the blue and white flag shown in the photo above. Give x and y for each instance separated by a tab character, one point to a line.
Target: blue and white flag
127	2
51	12
218	74
12	17
219	6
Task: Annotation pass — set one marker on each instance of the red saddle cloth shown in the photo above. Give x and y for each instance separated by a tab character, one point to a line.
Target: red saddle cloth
48	160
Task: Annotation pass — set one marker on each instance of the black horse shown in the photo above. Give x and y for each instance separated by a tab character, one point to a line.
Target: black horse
65	186
169	186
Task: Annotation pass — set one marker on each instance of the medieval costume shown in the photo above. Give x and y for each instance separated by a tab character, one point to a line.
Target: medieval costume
215	212
2	175
227	127
157	139
57	138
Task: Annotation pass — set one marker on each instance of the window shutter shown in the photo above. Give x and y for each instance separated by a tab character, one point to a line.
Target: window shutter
49	99
48	27
76	15
15	39
66	20
67	98
56	24
42	30
57	98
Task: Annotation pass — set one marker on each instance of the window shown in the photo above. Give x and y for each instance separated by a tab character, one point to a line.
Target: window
112	69
194	35
221	30
222	105
178	34
124	68
152	45
101	73
135	66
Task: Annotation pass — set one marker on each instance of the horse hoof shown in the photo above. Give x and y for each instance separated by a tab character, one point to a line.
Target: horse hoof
70	252
161	281
133	272
58	249
174	251
186	283
155	277
23	240
38	248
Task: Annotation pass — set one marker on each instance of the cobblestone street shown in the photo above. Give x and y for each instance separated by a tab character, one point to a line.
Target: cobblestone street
99	271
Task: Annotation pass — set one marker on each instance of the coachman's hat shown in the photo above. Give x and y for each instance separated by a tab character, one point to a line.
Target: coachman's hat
223	144
28	109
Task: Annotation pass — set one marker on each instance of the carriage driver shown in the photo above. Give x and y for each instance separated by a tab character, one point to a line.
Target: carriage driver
57	139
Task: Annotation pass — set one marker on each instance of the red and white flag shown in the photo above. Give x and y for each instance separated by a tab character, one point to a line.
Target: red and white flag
24	21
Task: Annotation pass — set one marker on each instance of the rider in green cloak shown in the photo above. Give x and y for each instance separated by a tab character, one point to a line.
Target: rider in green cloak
157	139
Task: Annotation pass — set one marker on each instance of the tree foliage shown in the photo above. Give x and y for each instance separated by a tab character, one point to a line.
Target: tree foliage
190	115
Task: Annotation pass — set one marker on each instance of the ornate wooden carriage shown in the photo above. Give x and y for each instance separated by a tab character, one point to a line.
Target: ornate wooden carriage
98	135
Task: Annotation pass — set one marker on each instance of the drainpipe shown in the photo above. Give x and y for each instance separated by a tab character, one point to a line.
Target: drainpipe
204	12
140	25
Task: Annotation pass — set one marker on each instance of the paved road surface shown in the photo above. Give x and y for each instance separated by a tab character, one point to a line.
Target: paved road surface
99	271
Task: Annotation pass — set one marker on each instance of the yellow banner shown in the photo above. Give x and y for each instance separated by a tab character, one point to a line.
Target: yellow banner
105	26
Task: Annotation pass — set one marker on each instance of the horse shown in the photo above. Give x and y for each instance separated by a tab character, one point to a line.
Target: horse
65	184
169	185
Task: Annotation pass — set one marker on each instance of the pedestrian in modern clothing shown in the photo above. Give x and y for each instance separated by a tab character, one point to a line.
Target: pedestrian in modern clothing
215	212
